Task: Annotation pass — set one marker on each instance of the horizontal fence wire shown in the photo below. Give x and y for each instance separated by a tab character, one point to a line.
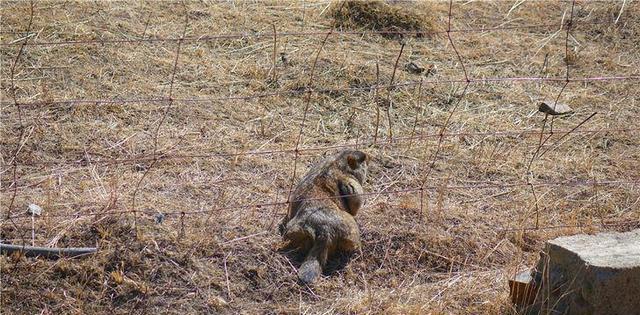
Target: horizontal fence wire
575	183
98	159
320	91
206	38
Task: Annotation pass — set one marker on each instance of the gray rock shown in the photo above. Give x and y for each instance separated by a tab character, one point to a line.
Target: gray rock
414	67
590	274
159	217
34	209
553	108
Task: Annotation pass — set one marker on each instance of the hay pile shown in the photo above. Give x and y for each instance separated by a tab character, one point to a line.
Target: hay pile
379	16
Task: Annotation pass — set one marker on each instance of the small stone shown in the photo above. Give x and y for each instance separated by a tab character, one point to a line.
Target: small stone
140	167
283	58
414	67
34	209
217	302
552	108
159	218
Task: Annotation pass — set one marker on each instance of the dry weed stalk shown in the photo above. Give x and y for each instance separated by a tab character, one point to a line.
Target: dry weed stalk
309	91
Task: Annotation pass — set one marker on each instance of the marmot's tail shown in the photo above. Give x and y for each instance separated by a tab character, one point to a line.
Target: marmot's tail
312	266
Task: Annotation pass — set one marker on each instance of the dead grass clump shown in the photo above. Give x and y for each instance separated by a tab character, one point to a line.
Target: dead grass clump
382	17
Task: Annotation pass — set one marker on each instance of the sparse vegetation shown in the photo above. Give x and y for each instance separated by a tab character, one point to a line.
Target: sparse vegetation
450	251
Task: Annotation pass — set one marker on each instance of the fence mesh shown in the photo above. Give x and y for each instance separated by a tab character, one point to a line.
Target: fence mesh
154	116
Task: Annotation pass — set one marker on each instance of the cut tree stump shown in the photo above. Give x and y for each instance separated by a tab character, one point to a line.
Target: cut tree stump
589	274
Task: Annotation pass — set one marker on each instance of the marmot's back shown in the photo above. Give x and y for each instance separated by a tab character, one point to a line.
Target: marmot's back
321	185
320	218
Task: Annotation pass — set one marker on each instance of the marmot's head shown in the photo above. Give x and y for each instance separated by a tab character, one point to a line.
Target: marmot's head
353	162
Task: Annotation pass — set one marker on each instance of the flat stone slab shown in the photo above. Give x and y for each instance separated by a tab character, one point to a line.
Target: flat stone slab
590	274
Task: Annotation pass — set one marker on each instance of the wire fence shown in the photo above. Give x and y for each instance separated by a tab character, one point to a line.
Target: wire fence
310	88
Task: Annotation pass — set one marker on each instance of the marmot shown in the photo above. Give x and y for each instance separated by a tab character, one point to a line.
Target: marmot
321	209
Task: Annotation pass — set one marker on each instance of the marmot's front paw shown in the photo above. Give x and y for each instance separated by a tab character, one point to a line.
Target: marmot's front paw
350	191
346	189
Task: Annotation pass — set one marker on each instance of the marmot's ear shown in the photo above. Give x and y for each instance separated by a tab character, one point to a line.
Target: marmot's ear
355	158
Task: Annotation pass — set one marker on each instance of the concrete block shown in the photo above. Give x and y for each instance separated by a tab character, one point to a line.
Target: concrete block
589	274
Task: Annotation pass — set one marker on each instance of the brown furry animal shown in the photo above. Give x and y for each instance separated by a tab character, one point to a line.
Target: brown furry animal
320	219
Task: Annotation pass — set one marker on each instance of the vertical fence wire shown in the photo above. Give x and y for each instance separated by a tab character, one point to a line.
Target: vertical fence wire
165	113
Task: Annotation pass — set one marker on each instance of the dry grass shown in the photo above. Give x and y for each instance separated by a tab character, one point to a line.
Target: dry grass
416	19
452	257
